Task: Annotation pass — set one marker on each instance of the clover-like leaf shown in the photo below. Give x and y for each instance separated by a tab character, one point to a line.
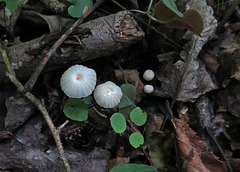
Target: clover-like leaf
133	168
136	139
126	111
76	109
79	7
118	122
11	4
166	12
129	95
88	100
138	117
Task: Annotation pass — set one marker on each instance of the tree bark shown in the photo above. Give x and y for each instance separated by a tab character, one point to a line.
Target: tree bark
97	38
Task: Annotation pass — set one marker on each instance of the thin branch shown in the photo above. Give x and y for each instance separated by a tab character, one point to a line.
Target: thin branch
40	105
31	81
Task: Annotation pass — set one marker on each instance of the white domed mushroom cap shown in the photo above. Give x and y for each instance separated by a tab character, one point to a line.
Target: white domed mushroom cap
148	75
78	81
108	94
148	89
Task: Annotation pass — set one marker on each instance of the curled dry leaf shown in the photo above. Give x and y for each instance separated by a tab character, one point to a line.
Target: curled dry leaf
178	84
132	77
193	150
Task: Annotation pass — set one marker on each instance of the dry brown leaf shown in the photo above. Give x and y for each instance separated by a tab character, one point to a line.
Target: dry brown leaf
234	27
181	85
193	150
117	161
154	122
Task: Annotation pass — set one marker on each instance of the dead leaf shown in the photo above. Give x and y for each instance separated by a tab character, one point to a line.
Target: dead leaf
28	150
229	67
234	27
154	122
229	98
193	150
210	61
19	110
5	134
160	145
181	84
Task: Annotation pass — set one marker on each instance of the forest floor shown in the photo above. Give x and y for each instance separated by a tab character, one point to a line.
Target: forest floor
190	121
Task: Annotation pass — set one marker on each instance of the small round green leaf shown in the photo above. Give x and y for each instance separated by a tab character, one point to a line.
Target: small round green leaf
88	100
118	122
76	109
129	95
138	117
136	139
133	168
79	7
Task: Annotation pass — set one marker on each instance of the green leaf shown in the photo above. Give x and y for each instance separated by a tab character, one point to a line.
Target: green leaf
79	7
133	168
126	111
11	4
160	145
129	95
136	139
191	20
138	117
88	100
76	109
118	122
172	6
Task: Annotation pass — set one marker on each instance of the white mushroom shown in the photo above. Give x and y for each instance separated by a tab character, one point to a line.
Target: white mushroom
108	94
148	89
148	75
78	81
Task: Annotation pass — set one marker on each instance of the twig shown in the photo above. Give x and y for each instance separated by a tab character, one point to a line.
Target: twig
226	17
220	149
40	105
31	81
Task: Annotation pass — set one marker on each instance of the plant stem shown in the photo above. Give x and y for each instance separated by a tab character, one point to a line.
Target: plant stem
40	105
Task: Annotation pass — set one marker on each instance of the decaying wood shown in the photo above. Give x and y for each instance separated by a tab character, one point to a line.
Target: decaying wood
97	38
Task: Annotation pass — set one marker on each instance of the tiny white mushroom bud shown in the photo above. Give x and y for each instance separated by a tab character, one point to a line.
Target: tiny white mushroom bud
148	89
107	95
148	75
78	81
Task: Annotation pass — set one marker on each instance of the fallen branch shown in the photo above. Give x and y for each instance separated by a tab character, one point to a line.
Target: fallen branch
40	105
97	38
30	83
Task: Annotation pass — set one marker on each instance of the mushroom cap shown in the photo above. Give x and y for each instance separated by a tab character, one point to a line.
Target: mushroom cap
148	75
108	94
148	89
78	81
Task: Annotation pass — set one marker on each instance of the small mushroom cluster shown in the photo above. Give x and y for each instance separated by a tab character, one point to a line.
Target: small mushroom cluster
148	75
79	81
